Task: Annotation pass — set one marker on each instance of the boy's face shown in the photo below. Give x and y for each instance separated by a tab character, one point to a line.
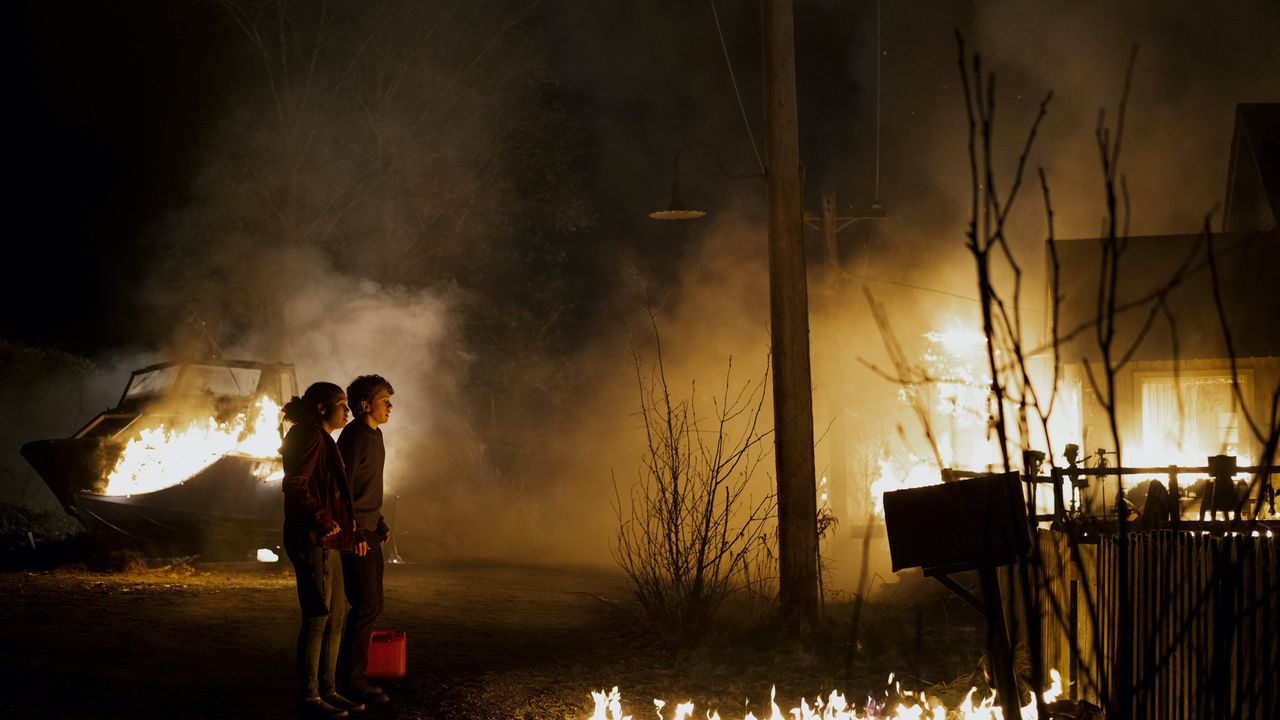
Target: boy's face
378	411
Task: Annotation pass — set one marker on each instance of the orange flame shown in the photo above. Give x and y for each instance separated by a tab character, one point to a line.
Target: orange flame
164	456
919	473
958	400
608	706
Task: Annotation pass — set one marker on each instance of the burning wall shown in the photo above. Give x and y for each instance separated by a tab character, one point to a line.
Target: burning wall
1173	397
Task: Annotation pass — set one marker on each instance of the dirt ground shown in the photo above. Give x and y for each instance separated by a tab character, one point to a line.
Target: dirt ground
486	640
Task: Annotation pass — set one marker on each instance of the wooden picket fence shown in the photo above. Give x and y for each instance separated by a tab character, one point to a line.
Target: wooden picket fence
1203	619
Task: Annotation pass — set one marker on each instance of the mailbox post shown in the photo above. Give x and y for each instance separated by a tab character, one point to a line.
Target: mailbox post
976	524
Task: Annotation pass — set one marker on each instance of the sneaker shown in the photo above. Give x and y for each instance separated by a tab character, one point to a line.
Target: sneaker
371	694
343	703
316	707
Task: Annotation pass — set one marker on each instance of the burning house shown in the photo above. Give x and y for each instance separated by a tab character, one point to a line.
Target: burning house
1191	311
1172	344
1161	604
187	462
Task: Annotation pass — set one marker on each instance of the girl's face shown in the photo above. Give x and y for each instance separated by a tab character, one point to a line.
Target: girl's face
335	416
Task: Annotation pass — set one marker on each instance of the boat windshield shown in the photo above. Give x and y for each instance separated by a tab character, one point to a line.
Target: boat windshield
219	380
151	382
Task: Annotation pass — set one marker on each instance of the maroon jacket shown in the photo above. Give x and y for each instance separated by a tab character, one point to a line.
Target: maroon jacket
316	491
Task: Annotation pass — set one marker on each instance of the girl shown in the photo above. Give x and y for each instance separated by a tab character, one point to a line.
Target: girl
319	525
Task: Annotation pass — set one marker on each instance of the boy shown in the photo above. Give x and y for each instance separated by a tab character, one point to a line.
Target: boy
364	455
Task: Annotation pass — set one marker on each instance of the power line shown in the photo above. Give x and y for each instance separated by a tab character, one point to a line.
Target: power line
878	54
734	81
870	278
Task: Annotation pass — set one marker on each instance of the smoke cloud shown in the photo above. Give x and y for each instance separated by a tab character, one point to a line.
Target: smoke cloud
457	202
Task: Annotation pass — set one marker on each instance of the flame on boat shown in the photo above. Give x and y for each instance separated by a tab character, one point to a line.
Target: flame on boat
164	456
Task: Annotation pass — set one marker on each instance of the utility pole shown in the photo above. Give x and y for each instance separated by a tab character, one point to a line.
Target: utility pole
831	378
789	328
837	472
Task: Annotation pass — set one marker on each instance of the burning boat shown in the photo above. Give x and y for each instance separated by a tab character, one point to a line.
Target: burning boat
186	463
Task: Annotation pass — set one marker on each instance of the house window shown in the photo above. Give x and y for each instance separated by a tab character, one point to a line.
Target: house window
1187	419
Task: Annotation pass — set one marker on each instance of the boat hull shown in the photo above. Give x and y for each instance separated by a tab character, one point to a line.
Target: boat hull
230	509
72	465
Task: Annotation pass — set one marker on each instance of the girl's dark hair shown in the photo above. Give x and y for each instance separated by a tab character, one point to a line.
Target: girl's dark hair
303	408
364	388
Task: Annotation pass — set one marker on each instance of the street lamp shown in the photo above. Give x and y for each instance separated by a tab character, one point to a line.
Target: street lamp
676	210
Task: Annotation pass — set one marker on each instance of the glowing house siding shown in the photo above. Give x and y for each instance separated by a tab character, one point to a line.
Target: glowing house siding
1173	397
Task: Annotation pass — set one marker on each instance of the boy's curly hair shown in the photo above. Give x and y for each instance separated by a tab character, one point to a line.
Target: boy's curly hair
363	388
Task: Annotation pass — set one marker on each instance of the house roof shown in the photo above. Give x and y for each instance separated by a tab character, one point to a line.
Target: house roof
1246	272
1187	322
1253	173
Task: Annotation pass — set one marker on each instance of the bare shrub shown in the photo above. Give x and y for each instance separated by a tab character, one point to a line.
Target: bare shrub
689	533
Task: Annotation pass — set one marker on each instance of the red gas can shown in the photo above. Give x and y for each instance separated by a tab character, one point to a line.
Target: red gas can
386	654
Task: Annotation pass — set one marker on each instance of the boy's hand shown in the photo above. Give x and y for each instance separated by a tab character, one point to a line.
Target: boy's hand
385	535
362	548
331	529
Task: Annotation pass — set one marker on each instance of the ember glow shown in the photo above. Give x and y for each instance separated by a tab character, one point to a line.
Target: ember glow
957	398
1187	419
1184	418
915	472
907	706
164	456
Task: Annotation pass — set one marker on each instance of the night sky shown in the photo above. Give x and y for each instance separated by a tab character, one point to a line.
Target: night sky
471	184
117	107
106	98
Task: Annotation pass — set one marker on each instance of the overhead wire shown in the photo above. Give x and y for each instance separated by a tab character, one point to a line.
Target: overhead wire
733	80
878	55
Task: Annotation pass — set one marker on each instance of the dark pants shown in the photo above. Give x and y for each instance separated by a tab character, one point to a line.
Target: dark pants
363	581
324	610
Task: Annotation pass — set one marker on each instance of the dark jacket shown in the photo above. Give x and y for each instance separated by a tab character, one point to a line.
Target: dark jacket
315	488
364	457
